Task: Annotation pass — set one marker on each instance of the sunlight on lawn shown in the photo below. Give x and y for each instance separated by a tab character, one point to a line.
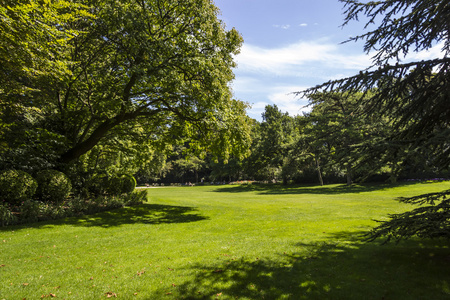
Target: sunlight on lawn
228	242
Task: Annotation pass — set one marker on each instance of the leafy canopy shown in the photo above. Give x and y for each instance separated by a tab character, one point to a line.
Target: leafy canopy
85	72
414	94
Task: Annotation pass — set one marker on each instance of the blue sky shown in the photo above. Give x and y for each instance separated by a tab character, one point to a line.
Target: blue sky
290	45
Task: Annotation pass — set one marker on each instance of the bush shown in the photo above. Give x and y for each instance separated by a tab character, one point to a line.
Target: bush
99	184
29	211
16	186
128	183
114	185
136	198
118	184
53	186
6	216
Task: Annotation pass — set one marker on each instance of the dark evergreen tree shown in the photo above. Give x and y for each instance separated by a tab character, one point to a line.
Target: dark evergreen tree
416	94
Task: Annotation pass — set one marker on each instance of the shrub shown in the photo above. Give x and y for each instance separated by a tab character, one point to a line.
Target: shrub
6	216
136	198
53	186
99	184
128	183
119	184
16	186
53	211
114	185
29	211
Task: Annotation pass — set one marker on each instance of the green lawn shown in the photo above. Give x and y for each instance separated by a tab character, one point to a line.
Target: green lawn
228	242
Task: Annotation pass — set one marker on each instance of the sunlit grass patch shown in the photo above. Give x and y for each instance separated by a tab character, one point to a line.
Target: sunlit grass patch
228	242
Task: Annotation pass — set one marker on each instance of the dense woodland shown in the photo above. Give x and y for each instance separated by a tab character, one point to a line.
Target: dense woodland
334	143
99	91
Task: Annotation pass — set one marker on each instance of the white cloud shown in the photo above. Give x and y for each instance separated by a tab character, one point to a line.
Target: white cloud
257	109
284	100
289	60
287	102
244	84
303	25
260	93
286	26
269	75
434	52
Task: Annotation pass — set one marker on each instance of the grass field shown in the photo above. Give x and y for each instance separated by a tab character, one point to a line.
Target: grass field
228	242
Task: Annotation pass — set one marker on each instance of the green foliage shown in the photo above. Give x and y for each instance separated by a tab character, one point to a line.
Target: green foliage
6	215
53	186
228	171
35	35
115	184
128	183
98	184
78	206
16	186
430	221
272	141
342	136
30	210
185	168
136	198
111	85
413	95
120	184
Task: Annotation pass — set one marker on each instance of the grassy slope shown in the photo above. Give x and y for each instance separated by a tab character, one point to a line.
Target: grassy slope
228	242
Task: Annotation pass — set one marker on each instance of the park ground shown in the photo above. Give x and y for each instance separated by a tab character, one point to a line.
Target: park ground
229	242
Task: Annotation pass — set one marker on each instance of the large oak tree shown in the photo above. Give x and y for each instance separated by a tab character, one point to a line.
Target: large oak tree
85	69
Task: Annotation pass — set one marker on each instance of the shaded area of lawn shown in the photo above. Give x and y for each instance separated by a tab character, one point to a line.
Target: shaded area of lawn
278	189
329	270
141	214
144	214
334	189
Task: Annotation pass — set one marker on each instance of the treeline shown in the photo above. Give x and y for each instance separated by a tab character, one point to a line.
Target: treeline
339	141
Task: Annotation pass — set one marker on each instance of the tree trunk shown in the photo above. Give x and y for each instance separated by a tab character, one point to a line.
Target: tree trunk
84	146
393	176
319	173
349	175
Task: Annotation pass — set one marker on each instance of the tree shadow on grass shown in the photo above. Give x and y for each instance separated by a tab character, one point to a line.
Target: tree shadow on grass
336	269
142	214
277	189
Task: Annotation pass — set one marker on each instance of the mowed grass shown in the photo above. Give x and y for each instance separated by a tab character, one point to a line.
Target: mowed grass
229	242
